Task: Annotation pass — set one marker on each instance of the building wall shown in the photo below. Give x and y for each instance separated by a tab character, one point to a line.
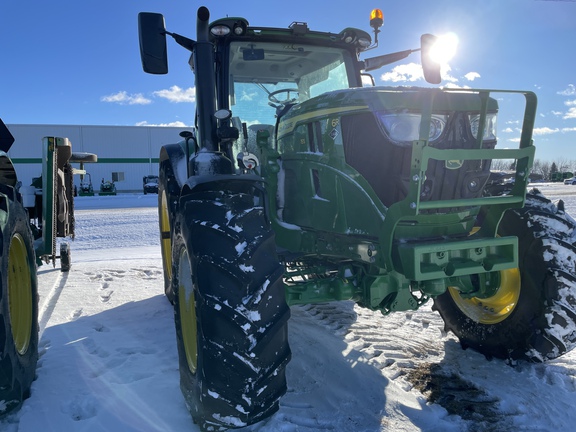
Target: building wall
133	150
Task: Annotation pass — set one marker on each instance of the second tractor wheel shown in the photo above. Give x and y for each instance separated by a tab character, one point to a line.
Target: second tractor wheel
230	310
168	194
18	310
532	315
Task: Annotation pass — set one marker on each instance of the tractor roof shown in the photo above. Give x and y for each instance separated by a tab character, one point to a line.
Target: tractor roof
298	32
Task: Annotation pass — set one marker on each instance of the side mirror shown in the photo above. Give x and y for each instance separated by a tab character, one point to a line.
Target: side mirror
430	67
6	138
152	37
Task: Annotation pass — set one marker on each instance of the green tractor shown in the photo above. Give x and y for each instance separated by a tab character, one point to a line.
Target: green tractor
18	288
86	188
300	186
50	203
107	187
31	219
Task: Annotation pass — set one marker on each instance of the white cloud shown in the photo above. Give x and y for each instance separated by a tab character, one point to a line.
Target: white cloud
404	72
445	72
173	124
508	130
177	95
570	103
570	91
572	129
545	131
570	114
514	140
123	98
557	113
413	72
455	86
247	97
471	76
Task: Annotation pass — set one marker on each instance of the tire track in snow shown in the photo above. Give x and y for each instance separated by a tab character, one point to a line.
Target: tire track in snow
50	302
406	348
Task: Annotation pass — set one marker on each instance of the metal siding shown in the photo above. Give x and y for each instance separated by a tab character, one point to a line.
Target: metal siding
108	142
28	138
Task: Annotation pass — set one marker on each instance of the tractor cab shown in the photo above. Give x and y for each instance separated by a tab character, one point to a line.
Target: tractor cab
260	73
265	72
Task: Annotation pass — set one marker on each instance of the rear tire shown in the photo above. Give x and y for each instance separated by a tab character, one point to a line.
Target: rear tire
533	316
18	310
168	195
230	310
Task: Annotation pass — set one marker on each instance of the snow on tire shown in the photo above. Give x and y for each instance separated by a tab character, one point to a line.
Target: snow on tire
533	314
230	309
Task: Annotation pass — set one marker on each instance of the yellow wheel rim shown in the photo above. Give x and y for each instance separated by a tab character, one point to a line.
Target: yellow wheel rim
20	293
496	308
165	235
187	309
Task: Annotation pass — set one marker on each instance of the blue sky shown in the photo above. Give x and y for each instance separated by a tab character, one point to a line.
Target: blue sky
77	62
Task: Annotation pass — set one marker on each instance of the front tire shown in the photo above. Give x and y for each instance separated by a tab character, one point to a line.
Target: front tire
230	310
18	310
533	314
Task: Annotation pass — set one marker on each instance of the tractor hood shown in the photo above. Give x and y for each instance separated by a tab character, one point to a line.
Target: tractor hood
382	100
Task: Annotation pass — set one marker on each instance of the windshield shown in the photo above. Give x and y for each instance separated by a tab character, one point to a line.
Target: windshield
257	70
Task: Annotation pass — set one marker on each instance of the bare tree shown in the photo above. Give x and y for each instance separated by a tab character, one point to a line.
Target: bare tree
563	164
501	164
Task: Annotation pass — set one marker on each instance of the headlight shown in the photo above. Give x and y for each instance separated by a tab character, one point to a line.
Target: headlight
405	127
220	30
489	128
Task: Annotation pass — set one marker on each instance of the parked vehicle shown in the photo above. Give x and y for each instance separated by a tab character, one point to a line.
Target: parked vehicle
107	188
150	184
86	188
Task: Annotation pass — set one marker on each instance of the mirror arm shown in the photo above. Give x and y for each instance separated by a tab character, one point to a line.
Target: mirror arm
189	44
383	60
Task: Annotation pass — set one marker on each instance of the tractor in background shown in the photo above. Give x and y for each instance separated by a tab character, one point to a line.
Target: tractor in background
299	185
50	202
107	188
86	188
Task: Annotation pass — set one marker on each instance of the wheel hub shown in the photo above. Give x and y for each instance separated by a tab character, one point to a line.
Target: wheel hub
19	293
497	307
187	305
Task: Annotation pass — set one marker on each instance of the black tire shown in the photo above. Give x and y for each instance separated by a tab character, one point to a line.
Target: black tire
65	257
83	157
533	315
168	194
233	345
18	310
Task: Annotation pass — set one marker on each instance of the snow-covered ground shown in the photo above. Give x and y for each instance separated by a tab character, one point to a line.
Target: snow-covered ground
108	358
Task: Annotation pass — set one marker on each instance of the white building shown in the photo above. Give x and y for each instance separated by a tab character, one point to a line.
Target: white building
131	150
